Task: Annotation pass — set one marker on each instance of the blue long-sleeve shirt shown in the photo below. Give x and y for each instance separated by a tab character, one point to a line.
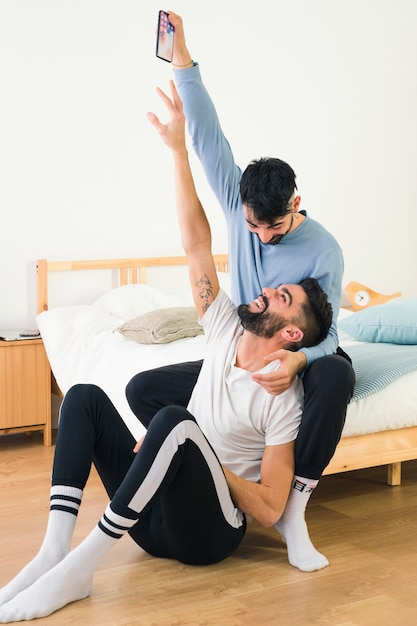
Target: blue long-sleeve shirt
308	251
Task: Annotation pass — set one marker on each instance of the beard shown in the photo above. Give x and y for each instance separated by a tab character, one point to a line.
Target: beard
275	240
263	324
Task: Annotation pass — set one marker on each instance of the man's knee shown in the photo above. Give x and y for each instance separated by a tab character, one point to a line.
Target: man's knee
141	384
141	394
151	390
332	367
330	375
168	419
83	393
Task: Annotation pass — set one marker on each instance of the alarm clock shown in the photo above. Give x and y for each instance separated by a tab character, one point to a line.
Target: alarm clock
360	296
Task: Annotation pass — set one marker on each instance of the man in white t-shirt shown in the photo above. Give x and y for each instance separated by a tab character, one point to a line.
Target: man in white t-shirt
185	489
237	416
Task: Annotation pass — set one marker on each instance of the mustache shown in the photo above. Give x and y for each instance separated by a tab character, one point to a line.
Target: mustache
245	307
261	323
245	314
265	301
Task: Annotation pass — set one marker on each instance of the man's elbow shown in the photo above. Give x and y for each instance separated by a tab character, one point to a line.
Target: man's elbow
270	516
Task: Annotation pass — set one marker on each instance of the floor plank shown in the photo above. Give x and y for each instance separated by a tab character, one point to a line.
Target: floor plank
366	529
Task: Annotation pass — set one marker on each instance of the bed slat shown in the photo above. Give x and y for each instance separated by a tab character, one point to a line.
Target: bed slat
130	271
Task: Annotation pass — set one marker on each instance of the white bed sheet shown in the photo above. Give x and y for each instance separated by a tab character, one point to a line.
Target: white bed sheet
83	346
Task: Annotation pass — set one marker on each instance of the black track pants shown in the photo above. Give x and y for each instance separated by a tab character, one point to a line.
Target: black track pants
174	486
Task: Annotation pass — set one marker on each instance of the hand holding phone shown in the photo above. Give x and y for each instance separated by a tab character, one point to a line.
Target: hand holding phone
164	37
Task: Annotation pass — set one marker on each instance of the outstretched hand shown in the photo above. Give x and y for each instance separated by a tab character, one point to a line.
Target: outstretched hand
291	364
172	133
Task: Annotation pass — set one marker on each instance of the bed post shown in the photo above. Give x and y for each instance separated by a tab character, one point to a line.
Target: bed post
42	284
394	474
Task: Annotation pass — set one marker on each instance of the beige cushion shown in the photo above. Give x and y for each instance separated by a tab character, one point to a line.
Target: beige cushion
163	325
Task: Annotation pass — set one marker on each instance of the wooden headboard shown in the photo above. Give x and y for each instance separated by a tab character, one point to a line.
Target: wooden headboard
129	271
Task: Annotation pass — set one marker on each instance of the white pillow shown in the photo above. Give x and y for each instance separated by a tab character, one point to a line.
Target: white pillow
132	300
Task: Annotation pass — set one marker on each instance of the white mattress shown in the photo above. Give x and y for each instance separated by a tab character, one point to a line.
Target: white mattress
83	346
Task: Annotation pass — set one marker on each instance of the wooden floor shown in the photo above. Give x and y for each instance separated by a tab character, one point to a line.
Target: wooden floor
367	530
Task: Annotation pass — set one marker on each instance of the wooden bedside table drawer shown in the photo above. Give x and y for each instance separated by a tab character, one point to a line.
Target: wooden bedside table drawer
25	388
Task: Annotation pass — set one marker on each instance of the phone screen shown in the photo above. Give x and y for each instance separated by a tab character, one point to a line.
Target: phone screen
164	37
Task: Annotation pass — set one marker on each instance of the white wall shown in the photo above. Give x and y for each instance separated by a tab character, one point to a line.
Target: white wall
330	86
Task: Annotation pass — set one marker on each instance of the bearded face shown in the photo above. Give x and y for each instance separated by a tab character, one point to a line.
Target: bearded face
263	323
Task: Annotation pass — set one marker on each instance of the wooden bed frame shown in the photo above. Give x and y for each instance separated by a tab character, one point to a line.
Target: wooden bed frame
382	448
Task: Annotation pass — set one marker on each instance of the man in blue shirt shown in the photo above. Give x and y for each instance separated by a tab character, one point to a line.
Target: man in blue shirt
270	242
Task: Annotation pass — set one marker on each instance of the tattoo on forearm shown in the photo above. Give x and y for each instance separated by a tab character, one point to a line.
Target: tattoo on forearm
206	293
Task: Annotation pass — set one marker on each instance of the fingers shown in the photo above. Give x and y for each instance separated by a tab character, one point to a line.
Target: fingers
175	20
138	445
173	132
166	99
175	96
265	380
273	382
275	356
174	105
154	120
271	387
173	17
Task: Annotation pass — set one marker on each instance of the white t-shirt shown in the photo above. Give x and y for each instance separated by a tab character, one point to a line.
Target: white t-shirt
237	415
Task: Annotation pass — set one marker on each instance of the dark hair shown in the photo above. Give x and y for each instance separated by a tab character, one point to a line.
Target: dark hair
266	187
317	312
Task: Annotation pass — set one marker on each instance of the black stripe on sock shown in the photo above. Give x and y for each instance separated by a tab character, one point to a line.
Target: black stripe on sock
68	498
61	507
109	532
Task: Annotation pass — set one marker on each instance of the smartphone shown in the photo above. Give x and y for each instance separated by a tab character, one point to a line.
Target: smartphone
164	37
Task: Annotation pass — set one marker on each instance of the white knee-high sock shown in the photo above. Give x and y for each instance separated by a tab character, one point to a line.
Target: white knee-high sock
293	528
64	504
71	579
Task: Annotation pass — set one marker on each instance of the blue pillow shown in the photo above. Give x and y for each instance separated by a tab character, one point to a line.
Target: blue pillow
393	322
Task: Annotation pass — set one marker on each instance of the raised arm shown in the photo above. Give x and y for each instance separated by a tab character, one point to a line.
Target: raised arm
208	140
193	223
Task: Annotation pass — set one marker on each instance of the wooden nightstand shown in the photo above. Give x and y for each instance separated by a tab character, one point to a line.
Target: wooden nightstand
25	388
